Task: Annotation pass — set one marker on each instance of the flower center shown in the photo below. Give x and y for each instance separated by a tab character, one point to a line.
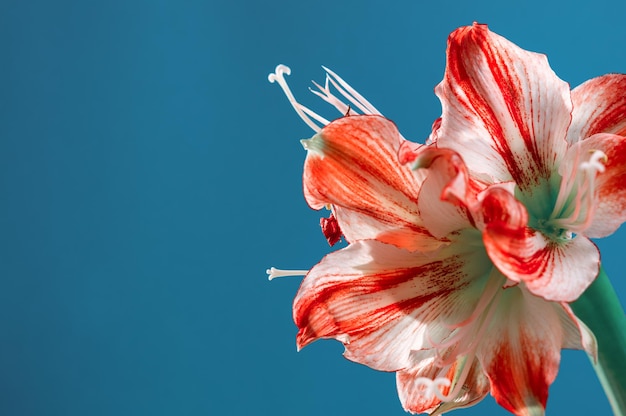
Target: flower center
550	229
573	207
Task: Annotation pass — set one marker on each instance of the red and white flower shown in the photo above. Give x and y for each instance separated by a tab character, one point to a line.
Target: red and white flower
464	253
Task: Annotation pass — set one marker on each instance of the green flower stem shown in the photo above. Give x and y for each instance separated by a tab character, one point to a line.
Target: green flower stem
601	310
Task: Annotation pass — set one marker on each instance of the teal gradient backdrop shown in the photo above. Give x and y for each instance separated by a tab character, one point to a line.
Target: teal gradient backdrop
149	174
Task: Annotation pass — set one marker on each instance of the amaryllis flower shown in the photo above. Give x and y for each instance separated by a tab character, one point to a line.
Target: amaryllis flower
464	253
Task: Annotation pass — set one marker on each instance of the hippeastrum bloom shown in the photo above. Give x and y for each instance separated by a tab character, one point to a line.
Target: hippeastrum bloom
464	253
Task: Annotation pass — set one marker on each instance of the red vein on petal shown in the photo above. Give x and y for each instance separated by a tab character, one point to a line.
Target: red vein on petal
314	314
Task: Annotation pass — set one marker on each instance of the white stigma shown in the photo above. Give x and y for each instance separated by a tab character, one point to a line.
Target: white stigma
273	273
594	165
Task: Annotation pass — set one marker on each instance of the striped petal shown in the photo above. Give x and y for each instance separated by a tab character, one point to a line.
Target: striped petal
599	107
554	270
503	108
576	335
522	351
382	301
352	164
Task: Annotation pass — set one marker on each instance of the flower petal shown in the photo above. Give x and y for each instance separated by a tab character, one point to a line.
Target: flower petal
382	301
522	351
504	109
353	165
554	270
447	193
576	335
599	107
609	205
415	400
500	212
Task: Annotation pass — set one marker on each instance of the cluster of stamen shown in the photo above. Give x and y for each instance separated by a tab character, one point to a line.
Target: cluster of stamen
356	103
573	211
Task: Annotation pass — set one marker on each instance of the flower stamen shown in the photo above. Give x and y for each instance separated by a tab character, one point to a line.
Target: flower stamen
579	190
273	273
459	378
434	387
346	91
355	100
279	77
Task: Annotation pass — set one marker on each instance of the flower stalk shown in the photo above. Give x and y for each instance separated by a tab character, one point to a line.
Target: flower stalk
600	308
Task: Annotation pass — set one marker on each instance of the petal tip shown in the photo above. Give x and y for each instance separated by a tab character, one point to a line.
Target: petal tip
305	337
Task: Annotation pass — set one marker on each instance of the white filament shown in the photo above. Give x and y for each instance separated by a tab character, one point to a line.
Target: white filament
355	101
303	112
581	185
349	93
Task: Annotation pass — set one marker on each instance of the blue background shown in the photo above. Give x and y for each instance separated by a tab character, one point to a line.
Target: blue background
149	174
